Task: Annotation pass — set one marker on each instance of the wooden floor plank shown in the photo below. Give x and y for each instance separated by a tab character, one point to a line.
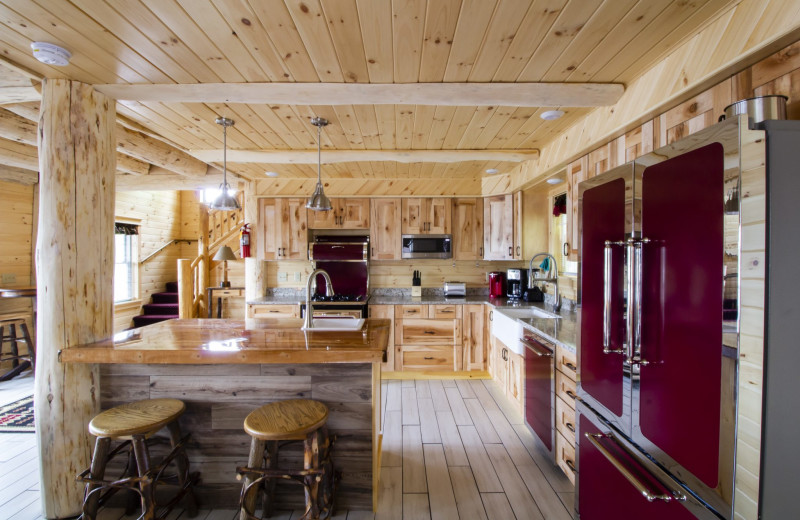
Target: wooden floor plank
392	445
468	500
390	494
360	515
509	437
460	413
440	489
408	383
427	421
544	460
449	383
497	506
481	421
413	461
393	397
115	513
451	440
511	413
18	508
483	395
568	499
410	409
416	507
440	403
465	388
228	514
546	499
517	493
482	468
423	389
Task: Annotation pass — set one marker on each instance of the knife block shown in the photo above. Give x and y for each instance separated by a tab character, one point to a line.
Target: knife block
416	291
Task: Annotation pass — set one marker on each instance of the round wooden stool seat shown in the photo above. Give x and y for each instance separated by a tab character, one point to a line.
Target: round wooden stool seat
14	316
138	417
292	419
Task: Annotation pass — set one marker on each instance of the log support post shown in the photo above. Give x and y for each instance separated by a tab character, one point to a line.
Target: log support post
74	263
204	267
185	289
255	270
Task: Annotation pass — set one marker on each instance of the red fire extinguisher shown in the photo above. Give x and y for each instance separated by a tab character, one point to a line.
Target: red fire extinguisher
244	241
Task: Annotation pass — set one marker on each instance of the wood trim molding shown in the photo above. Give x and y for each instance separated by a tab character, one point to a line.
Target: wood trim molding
440	94
343	156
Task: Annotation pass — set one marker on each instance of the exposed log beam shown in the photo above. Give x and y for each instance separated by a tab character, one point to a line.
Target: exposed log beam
10	95
19	155
145	148
343	156
18	175
127	164
440	187
167	181
441	94
29	111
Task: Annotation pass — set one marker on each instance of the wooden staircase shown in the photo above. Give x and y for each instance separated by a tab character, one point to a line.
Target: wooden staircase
162	306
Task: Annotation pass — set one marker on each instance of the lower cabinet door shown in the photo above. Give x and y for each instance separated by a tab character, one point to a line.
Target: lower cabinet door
605	494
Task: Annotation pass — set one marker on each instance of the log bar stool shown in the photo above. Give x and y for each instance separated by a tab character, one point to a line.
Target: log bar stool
284	422
10	325
133	423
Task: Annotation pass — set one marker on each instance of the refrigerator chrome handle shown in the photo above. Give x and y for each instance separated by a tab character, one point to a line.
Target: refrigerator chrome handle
607	255
635	285
649	494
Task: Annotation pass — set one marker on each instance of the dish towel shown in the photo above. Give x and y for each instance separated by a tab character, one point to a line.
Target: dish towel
545	265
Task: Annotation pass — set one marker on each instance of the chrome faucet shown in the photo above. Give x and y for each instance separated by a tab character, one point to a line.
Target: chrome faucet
549	278
312	280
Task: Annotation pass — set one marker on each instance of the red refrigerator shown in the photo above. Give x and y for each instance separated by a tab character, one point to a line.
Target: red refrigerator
658	333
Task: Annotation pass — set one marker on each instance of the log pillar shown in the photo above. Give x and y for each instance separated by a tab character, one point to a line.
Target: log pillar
74	265
204	265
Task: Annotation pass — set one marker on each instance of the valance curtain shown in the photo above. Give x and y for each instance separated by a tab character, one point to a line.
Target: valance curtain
120	228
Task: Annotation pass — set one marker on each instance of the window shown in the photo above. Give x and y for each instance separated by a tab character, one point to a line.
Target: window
126	262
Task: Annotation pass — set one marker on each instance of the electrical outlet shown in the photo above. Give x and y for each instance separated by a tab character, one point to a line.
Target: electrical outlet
283	276
297	277
9	278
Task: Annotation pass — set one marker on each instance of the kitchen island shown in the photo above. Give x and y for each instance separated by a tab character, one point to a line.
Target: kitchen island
224	369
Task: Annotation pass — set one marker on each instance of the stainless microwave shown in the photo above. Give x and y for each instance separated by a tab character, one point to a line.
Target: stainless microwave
427	246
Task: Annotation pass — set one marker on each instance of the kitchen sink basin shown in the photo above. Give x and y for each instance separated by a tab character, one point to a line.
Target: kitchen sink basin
528	312
336	324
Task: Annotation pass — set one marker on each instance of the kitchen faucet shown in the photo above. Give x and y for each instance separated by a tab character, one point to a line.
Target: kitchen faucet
557	296
312	279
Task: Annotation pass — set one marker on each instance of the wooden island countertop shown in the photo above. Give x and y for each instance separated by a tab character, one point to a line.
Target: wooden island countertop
215	341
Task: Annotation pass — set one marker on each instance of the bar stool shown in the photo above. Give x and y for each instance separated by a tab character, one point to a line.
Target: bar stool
9	322
133	423
271	427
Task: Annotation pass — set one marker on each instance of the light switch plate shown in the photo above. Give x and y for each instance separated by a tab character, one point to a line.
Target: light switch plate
9	278
297	277
283	276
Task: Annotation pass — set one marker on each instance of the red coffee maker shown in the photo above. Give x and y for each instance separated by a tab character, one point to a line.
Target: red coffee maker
497	284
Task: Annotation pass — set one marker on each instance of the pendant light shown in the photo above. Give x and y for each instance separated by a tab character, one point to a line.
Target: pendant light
318	201
225	201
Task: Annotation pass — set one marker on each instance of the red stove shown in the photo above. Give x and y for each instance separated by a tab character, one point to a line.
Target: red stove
346	260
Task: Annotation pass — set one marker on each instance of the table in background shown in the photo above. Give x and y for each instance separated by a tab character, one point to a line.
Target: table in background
220	293
18	292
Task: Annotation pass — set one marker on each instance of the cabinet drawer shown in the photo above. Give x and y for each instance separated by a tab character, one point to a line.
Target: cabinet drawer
410	311
565	420
567	363
427	357
566	389
273	311
426	332
445	311
565	457
217	293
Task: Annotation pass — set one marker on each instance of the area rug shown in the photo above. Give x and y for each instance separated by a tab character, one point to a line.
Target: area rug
17	417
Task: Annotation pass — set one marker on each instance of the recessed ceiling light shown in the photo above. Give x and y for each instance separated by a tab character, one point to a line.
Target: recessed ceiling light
51	54
491	171
554	180
271	174
551	114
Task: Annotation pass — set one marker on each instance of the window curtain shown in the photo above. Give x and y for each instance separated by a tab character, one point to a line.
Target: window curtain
121	228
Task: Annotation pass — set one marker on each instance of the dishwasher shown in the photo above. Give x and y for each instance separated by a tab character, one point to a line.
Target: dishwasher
540	386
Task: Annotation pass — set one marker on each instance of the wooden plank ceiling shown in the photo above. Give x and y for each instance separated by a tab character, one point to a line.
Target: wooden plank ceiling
344	41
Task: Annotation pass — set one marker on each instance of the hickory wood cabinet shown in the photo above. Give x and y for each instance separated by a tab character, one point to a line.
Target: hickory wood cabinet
509	371
468	229
566	393
345	213
429	337
387	312
427	216
502	220
256	310
282	229
384	229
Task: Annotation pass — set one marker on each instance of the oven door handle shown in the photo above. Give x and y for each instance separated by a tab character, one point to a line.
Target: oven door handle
640	486
533	345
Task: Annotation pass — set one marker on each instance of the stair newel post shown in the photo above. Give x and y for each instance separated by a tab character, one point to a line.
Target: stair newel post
204	266
185	289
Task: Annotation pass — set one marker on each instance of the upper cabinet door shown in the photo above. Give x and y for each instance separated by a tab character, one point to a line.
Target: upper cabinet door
498	231
385	229
439	214
517	225
468	229
323	219
353	213
414	218
293	229
267	229
576	173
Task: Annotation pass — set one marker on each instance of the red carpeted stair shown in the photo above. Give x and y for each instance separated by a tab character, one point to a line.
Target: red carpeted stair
163	306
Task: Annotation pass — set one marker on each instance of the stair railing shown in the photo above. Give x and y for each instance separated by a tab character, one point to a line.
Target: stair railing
216	228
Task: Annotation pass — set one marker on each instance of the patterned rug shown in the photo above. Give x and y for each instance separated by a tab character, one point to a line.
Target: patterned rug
17	417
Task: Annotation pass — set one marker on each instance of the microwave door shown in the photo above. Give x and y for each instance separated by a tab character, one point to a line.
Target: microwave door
605	208
683	400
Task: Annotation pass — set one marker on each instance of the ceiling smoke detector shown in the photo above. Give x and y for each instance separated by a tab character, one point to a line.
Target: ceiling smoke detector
554	180
271	174
51	54
492	171
551	114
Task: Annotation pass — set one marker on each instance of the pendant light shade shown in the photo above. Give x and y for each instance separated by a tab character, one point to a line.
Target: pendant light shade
225	201
318	201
